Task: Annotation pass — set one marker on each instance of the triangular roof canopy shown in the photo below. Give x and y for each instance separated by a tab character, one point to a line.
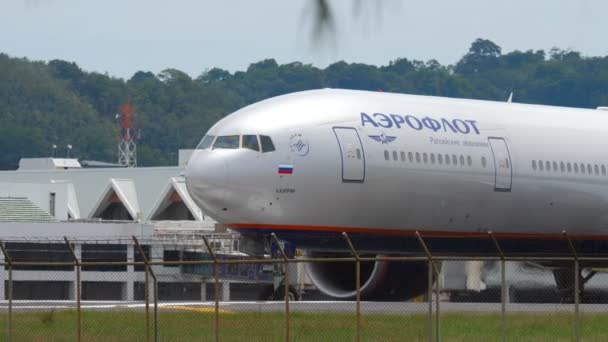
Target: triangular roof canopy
118	201
73	208
175	203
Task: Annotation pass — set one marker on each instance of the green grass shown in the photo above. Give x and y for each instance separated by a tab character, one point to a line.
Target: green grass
195	326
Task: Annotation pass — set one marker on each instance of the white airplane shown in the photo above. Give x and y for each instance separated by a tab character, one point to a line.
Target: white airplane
310	165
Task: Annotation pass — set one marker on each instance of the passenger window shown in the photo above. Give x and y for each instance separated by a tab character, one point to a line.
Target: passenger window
461	160
540	165
432	158
410	156
575	168
469	161
483	162
569	167
206	142
548	165
425	157
267	145
589	169
454	159
417	157
227	142
534	164
358	151
582	168
395	155
251	142
555	166
603	170
440	158
447	159
402	156
387	155
596	169
562	167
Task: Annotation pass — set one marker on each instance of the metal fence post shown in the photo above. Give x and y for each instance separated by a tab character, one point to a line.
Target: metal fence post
437	303
155	304
286	283
216	291
503	288
147	299
155	288
9	262
357	284
430	299
432	269
577	322
78	287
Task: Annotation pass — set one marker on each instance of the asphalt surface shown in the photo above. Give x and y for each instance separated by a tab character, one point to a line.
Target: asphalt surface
308	306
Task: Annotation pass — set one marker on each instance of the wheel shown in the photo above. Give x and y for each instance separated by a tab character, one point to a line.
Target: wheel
279	294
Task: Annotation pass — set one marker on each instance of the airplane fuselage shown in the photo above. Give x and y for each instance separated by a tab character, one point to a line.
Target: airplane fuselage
387	165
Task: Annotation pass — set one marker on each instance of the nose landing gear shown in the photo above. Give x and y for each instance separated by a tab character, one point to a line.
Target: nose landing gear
276	291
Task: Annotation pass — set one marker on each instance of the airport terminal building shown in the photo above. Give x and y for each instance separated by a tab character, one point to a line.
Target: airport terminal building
100	210
111	193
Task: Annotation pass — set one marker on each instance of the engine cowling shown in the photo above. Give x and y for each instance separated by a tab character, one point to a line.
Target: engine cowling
380	280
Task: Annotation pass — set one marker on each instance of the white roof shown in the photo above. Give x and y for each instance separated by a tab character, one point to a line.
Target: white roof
144	194
89	184
48	163
72	200
50	196
19	209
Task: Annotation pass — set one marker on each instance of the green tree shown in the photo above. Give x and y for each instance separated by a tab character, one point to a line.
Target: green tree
42	104
483	55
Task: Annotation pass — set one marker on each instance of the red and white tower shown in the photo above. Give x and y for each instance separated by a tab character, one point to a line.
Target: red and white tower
127	149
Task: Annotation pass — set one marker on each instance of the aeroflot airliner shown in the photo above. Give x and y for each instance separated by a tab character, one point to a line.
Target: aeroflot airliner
310	165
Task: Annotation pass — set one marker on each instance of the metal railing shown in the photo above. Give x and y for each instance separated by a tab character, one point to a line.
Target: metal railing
154	309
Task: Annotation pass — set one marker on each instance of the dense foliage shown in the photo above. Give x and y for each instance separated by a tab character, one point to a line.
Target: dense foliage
42	104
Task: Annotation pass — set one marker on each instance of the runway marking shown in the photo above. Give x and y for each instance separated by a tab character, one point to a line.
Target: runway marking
199	310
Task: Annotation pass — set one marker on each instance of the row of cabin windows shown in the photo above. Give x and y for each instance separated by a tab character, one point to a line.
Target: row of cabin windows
432	158
553	166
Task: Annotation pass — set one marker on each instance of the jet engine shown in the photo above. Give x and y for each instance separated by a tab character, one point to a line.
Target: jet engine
380	280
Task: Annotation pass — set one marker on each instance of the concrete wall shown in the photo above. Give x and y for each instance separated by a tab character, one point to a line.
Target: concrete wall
80	230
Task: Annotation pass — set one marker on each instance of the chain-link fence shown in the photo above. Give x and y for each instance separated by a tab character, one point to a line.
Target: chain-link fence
131	290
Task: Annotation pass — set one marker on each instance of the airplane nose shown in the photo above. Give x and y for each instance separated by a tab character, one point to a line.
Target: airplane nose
206	177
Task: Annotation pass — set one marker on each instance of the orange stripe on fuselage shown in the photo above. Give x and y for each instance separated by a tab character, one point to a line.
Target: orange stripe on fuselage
410	232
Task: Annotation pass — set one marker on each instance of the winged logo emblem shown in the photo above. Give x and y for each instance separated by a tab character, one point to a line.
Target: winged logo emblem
383	138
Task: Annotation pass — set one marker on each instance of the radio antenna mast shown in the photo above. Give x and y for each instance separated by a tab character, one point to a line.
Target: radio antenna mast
127	149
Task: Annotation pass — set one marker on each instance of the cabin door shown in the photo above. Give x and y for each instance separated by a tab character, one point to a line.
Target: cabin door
502	164
351	152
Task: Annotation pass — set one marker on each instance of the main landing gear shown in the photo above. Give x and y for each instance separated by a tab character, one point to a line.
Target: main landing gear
564	279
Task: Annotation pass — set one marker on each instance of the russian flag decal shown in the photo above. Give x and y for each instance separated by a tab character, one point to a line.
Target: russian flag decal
285	169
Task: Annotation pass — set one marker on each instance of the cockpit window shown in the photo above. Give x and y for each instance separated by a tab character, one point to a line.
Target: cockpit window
206	142
227	141
267	145
251	142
